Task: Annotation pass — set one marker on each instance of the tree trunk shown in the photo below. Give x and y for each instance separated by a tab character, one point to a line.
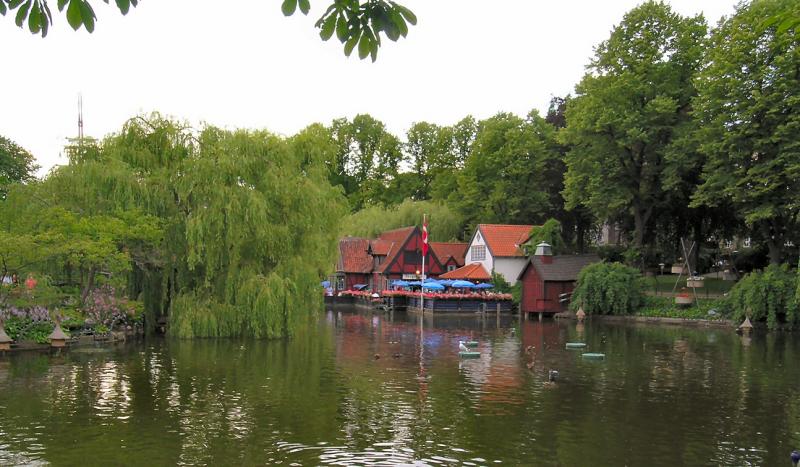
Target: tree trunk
775	253
641	216
88	287
694	261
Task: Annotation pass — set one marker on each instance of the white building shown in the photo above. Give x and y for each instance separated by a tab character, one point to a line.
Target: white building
499	248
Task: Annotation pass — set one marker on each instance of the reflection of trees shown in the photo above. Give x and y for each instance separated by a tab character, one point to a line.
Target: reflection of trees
684	397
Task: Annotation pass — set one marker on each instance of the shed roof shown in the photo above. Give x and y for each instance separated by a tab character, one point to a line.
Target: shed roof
562	268
474	271
505	240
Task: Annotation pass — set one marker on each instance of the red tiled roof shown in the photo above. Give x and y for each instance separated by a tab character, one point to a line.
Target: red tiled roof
381	247
353	257
445	251
397	235
505	240
474	271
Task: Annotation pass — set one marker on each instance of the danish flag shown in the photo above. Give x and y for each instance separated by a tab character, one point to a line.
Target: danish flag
424	237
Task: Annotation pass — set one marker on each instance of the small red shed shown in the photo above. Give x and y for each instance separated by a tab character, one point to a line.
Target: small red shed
545	277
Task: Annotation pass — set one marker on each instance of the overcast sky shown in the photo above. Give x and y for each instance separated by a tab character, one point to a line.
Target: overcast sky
246	65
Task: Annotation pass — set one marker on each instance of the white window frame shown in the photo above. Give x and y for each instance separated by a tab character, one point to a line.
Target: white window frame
475	255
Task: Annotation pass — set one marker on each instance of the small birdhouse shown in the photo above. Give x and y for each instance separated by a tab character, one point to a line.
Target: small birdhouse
57	338
746	327
5	341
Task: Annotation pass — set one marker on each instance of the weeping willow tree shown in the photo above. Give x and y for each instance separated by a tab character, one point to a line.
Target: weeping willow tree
245	221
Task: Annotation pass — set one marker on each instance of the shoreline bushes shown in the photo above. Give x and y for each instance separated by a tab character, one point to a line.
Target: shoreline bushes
608	289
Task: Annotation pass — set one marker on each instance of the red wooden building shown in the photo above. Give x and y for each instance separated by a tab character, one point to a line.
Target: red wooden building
450	254
396	254
545	277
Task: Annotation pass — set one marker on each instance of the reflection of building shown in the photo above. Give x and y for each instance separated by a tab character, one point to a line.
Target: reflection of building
499	248
545	277
395	254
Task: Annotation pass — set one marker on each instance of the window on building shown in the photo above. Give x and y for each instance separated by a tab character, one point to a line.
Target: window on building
412	257
478	236
451	267
478	253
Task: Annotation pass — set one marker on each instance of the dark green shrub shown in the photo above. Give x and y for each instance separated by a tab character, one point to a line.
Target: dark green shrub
608	289
611	253
768	296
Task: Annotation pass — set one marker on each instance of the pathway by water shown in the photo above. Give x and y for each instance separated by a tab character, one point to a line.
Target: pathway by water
360	389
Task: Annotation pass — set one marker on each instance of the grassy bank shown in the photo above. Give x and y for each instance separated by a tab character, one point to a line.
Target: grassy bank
665	284
664	307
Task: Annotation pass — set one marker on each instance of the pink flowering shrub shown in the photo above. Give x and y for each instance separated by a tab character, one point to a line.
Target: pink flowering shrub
104	308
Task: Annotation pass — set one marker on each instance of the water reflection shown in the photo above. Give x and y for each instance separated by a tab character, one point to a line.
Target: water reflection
362	388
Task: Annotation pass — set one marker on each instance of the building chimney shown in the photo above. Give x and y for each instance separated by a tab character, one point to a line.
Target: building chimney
545	252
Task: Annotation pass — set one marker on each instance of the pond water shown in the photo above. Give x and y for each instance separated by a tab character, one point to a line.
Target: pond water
358	389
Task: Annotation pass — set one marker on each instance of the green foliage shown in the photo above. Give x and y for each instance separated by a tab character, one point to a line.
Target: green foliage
230	220
507	176
366	161
500	283
747	106
550	233
39	17
444	224
358	22
355	22
664	307
25	329
620	125
768	296
16	164
608	289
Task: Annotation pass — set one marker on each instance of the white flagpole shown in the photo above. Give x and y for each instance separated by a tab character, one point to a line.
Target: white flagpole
421	291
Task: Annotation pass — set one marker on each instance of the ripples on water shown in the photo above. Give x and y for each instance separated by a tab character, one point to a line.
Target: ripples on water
362	389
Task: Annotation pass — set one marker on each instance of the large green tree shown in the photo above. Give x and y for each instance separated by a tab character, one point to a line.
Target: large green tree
225	233
356	23
367	160
749	109
506	176
16	165
622	120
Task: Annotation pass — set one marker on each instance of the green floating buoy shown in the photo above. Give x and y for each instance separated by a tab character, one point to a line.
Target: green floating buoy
576	345
594	356
469	354
471	343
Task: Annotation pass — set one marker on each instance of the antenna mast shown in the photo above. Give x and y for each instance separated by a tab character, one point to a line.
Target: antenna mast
80	120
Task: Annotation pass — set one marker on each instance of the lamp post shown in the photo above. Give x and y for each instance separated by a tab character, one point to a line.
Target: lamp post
660	265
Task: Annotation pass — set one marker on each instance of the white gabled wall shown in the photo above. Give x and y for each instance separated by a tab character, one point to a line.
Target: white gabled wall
487	263
510	267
